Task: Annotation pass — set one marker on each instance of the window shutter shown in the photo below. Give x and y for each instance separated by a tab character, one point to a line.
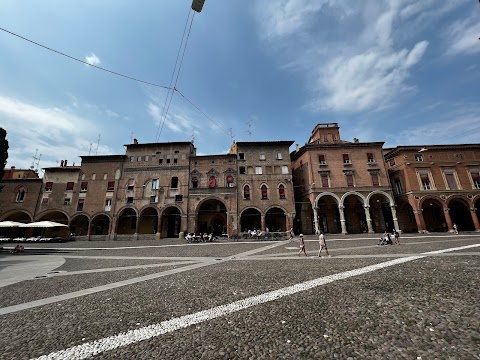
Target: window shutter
131	182
84	185
425	178
452	183
345	157
321	158
48	186
375	180
324	180
349	180
369	155
70	185
111	186
281	191
475	176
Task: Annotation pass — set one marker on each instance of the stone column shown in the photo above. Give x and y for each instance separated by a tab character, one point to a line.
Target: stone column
394	216
342	220
137	225
315	220
89	229
262	222
473	213
111	230
369	219
420	221
448	219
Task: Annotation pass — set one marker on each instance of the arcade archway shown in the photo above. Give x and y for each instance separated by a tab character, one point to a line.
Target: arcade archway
170	222
55	216
355	218
461	215
276	219
433	216
79	225
147	223
381	213
328	215
127	222
250	219
100	225
212	217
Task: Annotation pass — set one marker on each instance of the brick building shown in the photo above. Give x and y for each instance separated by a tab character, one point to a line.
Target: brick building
341	186
436	186
14	173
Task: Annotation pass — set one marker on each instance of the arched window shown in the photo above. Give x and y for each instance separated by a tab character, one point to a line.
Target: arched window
230	181
264	192
20	195
281	191
246	192
194	182
212	182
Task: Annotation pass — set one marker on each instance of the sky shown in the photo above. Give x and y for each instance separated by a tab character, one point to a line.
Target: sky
404	72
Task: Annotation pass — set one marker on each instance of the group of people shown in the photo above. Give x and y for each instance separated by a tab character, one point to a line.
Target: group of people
192	237
390	238
321	240
255	233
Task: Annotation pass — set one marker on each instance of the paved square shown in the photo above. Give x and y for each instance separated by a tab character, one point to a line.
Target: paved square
236	300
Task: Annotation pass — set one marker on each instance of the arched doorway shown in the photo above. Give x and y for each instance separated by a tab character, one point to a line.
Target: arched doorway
406	217
147	223
276	219
127	222
433	215
303	222
381	213
170	222
79	225
460	215
355	218
212	217
328	215
250	219
100	225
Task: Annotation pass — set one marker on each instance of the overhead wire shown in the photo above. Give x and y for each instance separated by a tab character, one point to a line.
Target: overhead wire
170	93
85	62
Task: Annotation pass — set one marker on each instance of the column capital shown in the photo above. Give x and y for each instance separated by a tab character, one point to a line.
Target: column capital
341	207
446	210
420	211
366	206
473	209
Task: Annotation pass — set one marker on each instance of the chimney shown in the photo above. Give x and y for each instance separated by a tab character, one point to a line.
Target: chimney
13	167
135	141
65	163
355	140
296	148
61	163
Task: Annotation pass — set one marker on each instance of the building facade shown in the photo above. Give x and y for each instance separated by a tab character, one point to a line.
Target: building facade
341	186
436	186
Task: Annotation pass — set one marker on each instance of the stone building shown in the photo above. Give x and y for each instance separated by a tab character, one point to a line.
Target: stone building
436	186
265	188
341	186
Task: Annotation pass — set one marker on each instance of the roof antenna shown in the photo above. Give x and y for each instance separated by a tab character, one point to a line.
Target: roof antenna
193	136
249	132
34	159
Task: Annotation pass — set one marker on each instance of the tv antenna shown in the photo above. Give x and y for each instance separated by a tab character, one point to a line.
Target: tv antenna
249	132
36	160
98	143
193	136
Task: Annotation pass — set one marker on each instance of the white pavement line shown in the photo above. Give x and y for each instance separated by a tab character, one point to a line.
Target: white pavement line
93	290
166	258
119	268
89	349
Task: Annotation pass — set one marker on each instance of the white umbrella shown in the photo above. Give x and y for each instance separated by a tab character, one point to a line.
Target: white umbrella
10	224
43	224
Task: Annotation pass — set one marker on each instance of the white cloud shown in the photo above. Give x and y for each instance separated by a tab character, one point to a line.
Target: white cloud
56	133
92	59
350	53
462	36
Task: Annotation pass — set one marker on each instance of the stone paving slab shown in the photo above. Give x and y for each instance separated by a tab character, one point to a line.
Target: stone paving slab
107	313
72	264
36	289
427	309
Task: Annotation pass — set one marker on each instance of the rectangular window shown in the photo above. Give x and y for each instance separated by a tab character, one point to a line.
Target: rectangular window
168	161
160	161
321	159
174	183
418	157
132	158
175	160
155	183
146	157
325	182
398	186
20	196
350	180
262	157
285	169
370	158
66	201
476	179
346	159
258	170
44	200
80	204
48	186
242	170
131	185
139	158
325	137
111	186
130	200
279	156
108	204
451	181
241	156
375	179
178	198
154	199
70	185
84	186
425	180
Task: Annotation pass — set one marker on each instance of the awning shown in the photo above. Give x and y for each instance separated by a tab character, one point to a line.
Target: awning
43	224
10	224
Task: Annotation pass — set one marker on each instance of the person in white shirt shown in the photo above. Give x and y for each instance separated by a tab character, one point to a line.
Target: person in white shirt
323	244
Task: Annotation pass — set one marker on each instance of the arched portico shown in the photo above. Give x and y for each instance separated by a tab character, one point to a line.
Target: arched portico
170	222
327	213
433	211
100	224
380	208
250	218
79	225
212	217
304	221
55	216
18	216
276	219
460	213
127	222
148	221
406	217
354	212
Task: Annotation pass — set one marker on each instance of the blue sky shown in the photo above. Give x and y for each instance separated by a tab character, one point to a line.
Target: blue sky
399	71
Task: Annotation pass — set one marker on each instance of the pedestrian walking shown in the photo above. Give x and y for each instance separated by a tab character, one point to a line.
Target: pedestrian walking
323	244
302	246
291	234
397	237
455	229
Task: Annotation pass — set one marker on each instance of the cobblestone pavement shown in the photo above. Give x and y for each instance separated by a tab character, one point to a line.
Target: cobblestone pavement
252	300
